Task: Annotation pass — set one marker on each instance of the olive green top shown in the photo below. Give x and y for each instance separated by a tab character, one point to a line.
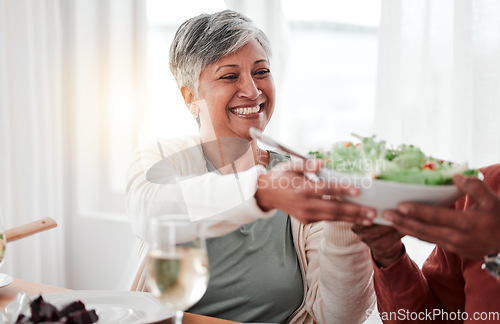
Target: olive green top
254	271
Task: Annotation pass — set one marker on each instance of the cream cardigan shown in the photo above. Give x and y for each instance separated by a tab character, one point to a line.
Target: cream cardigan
335	264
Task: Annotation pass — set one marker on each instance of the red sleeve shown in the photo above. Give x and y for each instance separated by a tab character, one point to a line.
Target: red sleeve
403	288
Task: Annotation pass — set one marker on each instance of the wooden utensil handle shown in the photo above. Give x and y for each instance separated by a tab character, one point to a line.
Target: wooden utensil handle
19	232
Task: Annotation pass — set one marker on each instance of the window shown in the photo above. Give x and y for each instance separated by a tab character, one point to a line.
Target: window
331	72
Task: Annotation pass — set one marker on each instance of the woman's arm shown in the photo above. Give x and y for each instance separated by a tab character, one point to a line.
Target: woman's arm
338	272
170	177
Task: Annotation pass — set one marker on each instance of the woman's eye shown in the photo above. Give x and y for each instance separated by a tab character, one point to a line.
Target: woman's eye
262	72
229	77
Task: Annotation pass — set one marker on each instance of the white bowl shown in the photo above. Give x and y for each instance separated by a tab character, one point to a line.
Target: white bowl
383	194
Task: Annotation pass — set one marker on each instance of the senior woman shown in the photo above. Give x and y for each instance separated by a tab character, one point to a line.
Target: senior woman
270	267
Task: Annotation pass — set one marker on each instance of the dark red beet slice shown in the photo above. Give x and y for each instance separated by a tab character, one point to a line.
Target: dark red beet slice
73	307
48	312
43	312
83	317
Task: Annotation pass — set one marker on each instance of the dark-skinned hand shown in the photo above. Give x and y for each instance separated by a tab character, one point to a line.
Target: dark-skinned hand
384	242
471	233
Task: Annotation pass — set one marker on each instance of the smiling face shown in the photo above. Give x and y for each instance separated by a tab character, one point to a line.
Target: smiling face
237	92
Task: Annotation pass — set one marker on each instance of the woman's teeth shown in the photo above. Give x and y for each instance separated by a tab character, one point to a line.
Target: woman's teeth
246	111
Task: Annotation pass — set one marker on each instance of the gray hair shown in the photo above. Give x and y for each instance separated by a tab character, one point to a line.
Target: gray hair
205	39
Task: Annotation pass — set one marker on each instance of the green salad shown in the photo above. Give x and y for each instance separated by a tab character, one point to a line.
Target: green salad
406	163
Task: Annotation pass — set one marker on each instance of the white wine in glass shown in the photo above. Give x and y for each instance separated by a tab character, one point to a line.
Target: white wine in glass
177	263
2	247
3	241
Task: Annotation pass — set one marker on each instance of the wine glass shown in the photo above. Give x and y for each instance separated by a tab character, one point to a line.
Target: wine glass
3	241
177	262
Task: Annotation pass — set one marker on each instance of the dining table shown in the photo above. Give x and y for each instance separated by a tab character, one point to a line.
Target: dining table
8	294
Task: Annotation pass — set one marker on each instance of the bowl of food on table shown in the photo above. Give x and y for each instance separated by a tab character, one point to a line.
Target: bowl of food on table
388	175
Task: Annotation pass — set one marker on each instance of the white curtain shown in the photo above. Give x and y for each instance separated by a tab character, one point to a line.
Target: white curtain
71	84
106	72
439	78
31	141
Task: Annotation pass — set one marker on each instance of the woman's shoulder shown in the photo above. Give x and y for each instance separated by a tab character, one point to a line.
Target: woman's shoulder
165	156
171	145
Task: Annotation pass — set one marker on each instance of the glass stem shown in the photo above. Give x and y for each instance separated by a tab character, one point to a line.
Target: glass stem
178	317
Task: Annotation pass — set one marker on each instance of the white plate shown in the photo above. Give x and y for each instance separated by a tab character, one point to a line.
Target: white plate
5	280
114	306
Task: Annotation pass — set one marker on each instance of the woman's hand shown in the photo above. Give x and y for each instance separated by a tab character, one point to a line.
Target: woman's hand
384	241
287	188
472	233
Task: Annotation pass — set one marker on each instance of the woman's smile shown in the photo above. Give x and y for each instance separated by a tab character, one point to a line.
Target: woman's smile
247	111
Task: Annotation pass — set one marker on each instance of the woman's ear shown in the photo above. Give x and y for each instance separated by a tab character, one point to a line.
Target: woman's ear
190	101
188	95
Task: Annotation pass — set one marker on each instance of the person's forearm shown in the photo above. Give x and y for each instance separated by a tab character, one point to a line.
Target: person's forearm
385	259
227	200
345	280
402	287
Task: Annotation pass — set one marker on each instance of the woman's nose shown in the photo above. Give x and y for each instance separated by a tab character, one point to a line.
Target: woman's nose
248	89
